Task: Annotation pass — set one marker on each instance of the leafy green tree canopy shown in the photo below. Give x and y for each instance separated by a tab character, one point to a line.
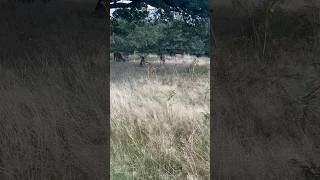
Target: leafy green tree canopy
167	29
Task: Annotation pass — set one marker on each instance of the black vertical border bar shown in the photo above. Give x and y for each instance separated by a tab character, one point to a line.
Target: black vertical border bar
108	89
212	68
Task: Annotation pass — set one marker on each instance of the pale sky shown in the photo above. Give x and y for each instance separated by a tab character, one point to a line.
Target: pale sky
150	8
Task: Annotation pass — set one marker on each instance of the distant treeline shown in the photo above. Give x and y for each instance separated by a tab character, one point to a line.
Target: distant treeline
140	32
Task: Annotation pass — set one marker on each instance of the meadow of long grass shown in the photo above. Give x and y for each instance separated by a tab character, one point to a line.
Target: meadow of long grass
53	92
160	120
266	119
266	108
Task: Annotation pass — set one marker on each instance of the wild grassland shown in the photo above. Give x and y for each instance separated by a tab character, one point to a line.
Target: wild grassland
266	114
53	111
160	121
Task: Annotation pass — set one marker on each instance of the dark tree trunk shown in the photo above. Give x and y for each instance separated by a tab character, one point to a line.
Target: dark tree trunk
101	8
100	5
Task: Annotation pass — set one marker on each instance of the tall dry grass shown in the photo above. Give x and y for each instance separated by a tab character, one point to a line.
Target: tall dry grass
160	121
53	96
266	114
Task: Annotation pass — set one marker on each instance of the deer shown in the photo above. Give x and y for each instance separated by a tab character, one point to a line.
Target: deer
142	60
145	63
118	57
151	67
162	59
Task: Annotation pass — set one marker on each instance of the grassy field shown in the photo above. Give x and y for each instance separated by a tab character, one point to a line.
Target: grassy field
266	115
160	120
53	110
266	108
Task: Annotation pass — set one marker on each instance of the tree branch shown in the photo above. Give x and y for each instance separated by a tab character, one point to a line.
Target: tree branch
121	5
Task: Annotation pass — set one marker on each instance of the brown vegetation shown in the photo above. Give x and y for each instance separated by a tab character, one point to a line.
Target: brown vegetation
266	106
53	93
160	120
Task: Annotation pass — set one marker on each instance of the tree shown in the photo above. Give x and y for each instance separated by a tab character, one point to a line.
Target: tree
180	26
159	36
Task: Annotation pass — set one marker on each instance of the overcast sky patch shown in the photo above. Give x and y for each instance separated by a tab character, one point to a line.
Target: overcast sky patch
151	9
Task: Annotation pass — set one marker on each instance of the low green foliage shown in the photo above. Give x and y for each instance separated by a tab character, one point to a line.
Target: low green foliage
169	94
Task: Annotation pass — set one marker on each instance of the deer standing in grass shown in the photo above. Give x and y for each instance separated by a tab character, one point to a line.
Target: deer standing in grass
151	67
162	59
142	60
118	57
